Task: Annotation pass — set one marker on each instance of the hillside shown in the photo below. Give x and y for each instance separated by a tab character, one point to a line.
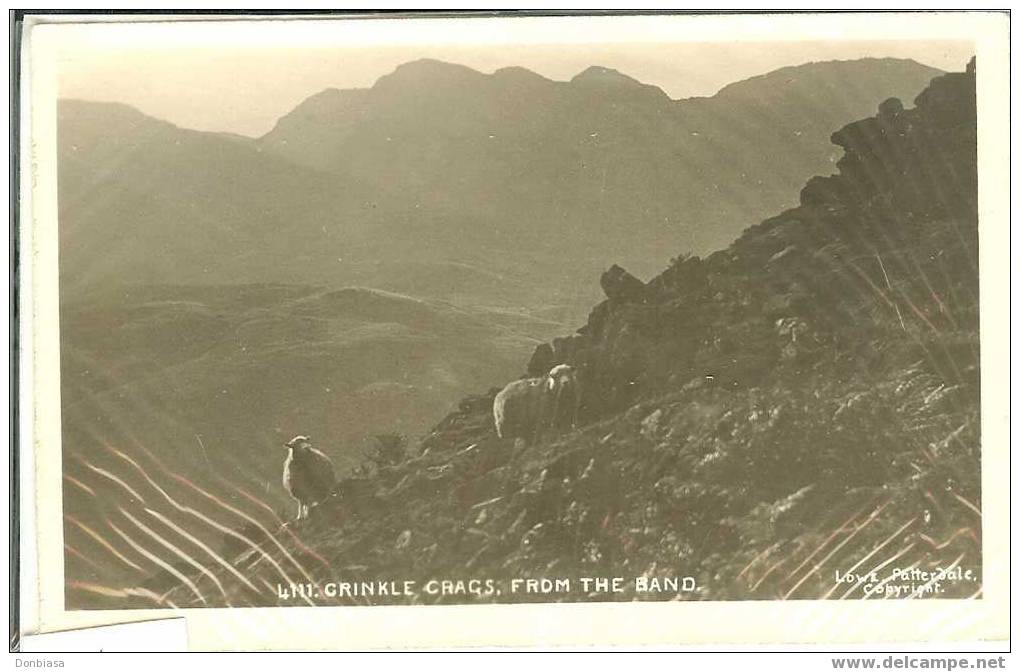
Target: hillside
804	401
144	202
558	164
215	379
438	165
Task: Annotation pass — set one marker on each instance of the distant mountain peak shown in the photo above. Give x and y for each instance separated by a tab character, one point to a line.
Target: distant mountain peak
601	72
607	79
91	120
432	64
111	110
774	82
429	71
598	74
518	73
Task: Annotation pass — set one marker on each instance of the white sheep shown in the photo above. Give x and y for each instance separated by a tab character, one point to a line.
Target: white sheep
308	474
566	390
525	408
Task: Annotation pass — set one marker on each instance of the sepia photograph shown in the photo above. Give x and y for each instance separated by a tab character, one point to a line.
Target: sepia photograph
353	319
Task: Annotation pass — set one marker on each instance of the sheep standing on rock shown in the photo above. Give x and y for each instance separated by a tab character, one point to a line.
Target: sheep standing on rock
566	391
308	474
525	408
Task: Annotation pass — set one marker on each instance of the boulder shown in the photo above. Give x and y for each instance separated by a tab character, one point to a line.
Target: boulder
822	191
565	348
541	361
890	108
597	320
619	285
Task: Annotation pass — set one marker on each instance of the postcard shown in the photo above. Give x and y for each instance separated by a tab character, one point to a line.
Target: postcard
411	331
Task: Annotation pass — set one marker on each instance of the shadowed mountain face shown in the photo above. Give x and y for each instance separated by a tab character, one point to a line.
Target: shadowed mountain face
438	168
602	168
145	202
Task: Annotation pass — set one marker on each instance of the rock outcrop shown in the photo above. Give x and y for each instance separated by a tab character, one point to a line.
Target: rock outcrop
619	285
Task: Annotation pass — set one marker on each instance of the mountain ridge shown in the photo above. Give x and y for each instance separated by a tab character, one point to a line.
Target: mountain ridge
514	71
530	176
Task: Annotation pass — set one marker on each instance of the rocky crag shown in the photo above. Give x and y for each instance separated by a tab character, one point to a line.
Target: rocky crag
802	402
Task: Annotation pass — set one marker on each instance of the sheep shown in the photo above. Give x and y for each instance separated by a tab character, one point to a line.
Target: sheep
525	408
566	390
308	475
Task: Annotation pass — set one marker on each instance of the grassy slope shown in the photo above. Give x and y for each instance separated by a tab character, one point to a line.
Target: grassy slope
210	381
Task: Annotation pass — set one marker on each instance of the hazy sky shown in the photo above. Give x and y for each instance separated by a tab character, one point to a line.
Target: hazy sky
243	89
